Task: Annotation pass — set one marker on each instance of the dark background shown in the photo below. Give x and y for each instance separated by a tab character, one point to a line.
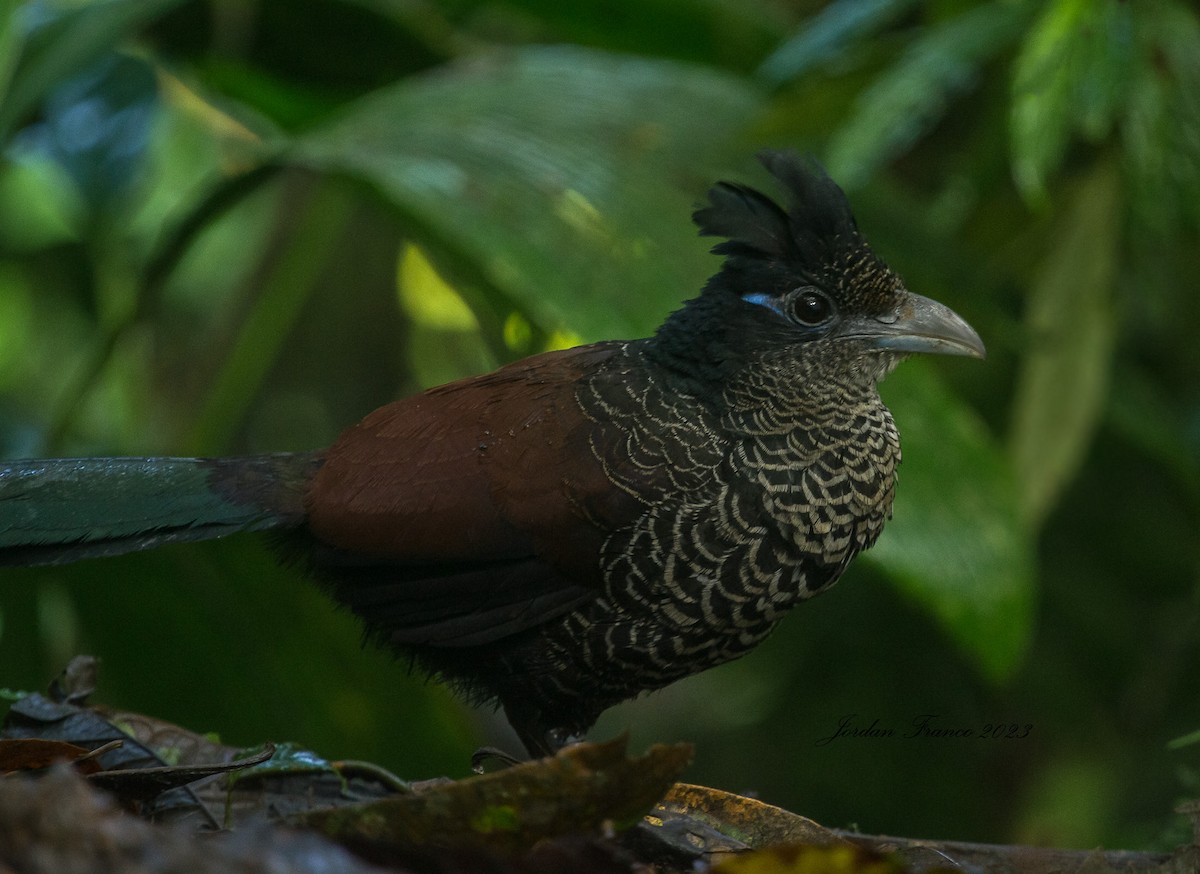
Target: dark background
239	226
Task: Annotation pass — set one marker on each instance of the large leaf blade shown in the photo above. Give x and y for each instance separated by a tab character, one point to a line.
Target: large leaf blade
569	153
957	545
909	97
1071	329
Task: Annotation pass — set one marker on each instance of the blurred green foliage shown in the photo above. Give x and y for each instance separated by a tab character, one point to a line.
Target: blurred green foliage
235	226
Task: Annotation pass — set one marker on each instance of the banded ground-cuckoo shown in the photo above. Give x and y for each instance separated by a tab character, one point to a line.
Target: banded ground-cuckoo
584	525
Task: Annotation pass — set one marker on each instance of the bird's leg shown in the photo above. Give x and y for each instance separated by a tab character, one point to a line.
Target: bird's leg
540	739
552	741
481	756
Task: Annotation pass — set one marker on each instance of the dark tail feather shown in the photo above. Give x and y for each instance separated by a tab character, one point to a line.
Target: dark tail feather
54	511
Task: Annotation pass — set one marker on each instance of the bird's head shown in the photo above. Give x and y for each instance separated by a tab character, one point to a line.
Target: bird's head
803	281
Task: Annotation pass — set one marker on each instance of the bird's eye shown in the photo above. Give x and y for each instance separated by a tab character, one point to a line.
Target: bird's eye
812	308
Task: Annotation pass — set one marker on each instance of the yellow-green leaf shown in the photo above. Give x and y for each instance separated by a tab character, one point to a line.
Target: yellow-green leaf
957	545
1070	329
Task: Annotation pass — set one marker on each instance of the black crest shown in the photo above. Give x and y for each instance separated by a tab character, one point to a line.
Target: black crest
817	227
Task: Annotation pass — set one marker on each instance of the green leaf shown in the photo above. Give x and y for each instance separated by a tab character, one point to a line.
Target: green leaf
1161	123
957	545
1185	740
1070	327
828	35
733	34
63	43
595	158
11	40
1071	74
907	99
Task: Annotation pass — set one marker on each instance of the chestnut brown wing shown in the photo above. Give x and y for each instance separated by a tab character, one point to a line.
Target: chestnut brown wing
459	516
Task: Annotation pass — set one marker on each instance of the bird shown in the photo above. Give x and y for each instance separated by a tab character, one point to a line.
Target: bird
585	525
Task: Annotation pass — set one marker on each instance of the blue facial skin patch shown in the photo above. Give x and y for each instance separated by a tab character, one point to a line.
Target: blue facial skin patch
772	302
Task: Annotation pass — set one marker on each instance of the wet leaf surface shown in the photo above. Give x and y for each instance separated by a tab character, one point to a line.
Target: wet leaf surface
583	789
